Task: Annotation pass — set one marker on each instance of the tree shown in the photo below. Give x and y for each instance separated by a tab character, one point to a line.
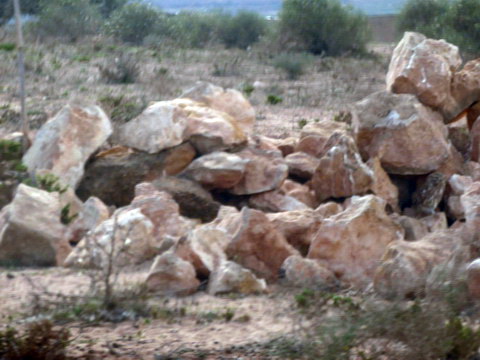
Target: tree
107	7
241	30
30	7
323	27
425	16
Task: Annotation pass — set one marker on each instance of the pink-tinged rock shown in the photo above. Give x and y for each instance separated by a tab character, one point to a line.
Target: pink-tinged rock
475	136
230	277
414	228
341	172
170	275
218	170
473	279
64	144
31	233
275	201
166	124
93	212
453	164
329	209
435	222
265	171
471	204
405	266
472	169
298	227
286	145
204	248
302	165
351	243
229	101
126	238
455	208
258	246
300	192
307	273
382	185
465	89
163	211
459	184
423	67
407	137
314	136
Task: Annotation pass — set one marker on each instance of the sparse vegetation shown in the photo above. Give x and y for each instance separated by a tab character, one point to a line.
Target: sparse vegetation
121	69
274	99
293	64
241	30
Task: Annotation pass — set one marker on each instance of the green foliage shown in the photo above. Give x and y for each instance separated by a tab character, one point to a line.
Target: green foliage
323	27
51	183
39	341
455	21
109	6
7	47
121	69
248	89
67	19
242	30
121	109
274	99
133	22
65	216
304	298
191	29
10	150
293	64
26	7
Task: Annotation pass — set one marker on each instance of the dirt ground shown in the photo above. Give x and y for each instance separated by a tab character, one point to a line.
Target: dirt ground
59	73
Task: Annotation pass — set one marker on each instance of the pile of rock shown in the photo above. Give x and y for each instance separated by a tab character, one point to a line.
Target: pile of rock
384	199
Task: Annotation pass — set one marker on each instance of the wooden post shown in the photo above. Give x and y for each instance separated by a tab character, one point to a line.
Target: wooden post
21	74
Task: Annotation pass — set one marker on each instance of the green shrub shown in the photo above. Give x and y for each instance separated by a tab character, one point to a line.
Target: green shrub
293	64
121	69
322	27
194	29
425	16
464	19
274	99
242	30
109	6
68	19
7	46
133	22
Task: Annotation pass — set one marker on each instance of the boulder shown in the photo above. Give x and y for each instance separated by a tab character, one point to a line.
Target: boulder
382	186
275	201
230	277
414	228
258	246
473	279
204	247
298	227
194	201
341	172
300	192
229	101
351	243
307	273
112	177
265	171
405	266
423	67
31	231
458	184
93	212
314	136
285	145
218	170
65	143
302	165
166	124
162	210
465	89
407	137
170	275
125	239
429	193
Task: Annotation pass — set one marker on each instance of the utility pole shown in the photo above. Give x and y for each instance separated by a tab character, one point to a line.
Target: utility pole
21	74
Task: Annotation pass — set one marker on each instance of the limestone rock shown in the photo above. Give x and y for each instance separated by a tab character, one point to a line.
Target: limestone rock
170	275
112	178
275	201
314	136
258	246
302	165
405	266
194	201
230	277
382	185
229	101
465	89
414	228
341	172
351	243
473	279
429	193
31	232
127	236
423	67
265	171
300	192
63	145
218	170
407	137
93	212
307	273
459	184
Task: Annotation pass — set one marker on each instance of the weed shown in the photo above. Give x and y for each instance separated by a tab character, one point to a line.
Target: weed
248	89
7	47
292	64
304	299
274	99
122	69
228	67
50	182
302	123
121	109
65	216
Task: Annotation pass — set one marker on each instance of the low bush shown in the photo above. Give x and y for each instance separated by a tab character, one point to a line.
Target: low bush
293	64
241	30
121	69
